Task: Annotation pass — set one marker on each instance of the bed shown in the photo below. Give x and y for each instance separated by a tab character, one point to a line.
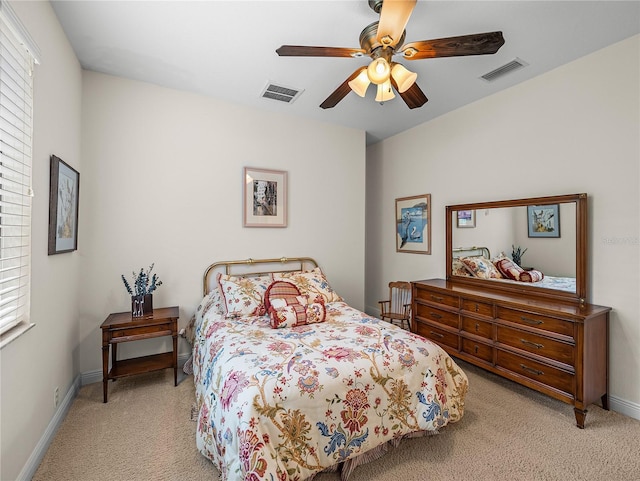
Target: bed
278	401
477	262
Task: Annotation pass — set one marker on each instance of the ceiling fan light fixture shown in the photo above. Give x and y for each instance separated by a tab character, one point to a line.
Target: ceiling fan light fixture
385	92
360	83
379	71
404	78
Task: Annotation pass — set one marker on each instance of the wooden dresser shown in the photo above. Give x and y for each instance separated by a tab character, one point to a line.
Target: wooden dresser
555	347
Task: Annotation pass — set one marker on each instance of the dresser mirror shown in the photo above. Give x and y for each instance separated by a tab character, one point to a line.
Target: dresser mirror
551	233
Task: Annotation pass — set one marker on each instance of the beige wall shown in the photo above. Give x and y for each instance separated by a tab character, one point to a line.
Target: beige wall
574	129
47	355
162	180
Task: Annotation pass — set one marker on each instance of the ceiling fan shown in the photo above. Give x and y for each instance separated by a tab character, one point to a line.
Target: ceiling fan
385	38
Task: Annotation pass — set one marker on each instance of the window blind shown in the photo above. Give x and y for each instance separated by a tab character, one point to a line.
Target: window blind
16	106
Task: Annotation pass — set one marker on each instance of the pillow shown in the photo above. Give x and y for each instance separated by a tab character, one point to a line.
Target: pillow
509	269
243	296
481	267
296	311
531	276
458	268
310	283
279	290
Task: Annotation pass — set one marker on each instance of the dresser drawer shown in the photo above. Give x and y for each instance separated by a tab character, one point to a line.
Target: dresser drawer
437	315
537	371
438	298
542	346
479	328
536	320
440	336
477	349
477	307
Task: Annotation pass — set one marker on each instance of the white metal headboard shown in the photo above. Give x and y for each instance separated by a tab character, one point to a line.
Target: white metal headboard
255	267
471	252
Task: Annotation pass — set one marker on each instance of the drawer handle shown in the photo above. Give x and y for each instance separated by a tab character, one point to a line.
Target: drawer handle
533	322
436	298
435	316
436	334
531	370
476	349
477	307
532	344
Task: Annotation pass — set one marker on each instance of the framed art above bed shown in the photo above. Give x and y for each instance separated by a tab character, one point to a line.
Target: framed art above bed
264	198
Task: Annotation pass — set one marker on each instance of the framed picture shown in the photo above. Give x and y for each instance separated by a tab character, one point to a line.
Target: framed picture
64	188
265	198
543	220
413	224
466	218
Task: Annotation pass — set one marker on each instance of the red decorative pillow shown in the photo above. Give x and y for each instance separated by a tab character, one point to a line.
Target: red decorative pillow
509	269
531	276
280	290
297	311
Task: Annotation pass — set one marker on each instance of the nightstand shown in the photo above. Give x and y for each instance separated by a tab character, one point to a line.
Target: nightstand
122	327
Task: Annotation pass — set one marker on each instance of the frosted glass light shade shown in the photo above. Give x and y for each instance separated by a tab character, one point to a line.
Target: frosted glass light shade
379	71
360	83
403	77
385	92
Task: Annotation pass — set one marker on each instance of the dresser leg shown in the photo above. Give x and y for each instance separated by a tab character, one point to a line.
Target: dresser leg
581	414
605	401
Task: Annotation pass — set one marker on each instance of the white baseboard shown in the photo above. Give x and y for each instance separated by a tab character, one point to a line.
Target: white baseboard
625	407
40	450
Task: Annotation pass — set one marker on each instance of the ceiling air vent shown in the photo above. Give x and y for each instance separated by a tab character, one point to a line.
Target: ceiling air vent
280	93
515	64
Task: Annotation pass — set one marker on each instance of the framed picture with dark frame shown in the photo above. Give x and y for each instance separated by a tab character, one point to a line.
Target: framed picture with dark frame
64	189
543	220
466	218
413	224
264	198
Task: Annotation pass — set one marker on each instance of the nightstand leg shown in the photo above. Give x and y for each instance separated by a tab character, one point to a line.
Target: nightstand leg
105	371
175	360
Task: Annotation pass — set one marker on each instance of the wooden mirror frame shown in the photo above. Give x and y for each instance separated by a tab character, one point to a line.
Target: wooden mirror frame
579	296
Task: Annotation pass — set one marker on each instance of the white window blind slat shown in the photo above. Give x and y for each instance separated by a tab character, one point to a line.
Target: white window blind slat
17	54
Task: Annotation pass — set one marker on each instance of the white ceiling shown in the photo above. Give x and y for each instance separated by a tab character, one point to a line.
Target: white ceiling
226	49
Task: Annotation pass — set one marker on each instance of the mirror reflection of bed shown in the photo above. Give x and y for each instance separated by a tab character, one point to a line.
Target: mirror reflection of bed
501	226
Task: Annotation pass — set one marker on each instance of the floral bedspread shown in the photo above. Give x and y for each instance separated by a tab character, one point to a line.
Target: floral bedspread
284	404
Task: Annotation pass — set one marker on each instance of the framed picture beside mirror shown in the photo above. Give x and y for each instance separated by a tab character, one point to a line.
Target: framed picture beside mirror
466	218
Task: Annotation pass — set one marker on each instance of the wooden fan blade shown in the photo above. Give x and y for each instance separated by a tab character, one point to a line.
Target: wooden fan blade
476	44
304	51
414	97
341	92
393	20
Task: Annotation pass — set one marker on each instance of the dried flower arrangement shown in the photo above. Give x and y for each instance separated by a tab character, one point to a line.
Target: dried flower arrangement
517	253
143	282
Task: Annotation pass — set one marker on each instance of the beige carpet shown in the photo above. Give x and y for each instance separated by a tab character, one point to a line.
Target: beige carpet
508	432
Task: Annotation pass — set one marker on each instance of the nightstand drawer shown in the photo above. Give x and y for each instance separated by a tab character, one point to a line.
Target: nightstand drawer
143	332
